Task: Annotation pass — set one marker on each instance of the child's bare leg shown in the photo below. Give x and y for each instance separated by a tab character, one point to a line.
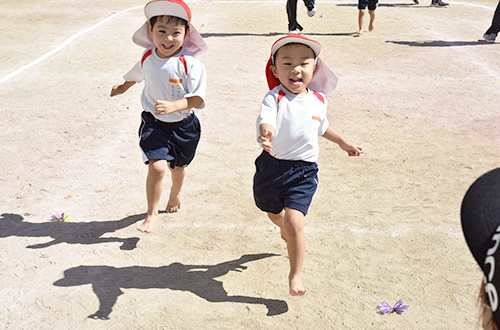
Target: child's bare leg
296	245
372	19
154	187
361	16
174	201
278	219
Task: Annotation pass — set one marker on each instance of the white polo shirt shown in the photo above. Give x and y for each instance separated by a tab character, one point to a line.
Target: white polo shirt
298	121
169	79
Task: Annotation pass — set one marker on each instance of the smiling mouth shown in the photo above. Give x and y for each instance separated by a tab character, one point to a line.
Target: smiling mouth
296	81
168	47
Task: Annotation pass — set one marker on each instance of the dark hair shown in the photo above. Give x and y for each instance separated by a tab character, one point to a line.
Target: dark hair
292	43
170	19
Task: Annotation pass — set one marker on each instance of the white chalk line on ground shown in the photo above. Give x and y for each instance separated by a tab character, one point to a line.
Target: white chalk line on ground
79	34
64	44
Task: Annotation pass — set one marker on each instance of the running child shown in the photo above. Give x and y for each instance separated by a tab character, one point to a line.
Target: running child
292	116
174	84
362	4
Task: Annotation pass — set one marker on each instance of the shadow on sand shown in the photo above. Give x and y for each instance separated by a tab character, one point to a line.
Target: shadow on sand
438	43
401	4
69	232
270	34
107	282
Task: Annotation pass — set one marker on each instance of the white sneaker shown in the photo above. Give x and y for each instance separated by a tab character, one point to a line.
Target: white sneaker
311	12
293	32
489	37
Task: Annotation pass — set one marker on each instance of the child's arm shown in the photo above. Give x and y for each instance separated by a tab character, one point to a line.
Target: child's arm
120	89
165	107
266	136
351	148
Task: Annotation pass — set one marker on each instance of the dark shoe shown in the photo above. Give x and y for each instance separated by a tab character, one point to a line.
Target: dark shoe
489	37
415	2
438	3
311	12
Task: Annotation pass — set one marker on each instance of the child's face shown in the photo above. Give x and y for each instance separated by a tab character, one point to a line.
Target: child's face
294	67
167	37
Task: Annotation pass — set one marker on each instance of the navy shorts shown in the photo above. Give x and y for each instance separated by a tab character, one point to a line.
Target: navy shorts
284	183
174	142
371	4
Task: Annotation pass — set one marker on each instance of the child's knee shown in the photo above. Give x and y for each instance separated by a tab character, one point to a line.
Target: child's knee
294	229
294	222
158	167
176	169
275	217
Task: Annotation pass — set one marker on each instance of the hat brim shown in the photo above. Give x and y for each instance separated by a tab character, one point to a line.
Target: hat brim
175	8
296	39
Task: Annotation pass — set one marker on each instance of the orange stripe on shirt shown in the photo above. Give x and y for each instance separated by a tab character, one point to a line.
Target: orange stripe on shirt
316	118
175	81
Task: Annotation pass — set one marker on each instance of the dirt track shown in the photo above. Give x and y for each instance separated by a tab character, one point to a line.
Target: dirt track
419	93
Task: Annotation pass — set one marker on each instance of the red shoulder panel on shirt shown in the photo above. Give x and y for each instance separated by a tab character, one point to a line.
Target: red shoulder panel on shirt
145	56
183	61
280	95
319	96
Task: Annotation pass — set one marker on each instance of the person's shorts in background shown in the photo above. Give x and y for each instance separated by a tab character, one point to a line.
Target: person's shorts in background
280	184
371	4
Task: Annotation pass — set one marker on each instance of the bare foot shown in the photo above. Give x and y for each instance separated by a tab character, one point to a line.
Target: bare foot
371	27
173	205
148	224
296	286
358	34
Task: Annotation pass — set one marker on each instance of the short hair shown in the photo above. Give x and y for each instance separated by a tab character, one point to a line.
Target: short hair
170	19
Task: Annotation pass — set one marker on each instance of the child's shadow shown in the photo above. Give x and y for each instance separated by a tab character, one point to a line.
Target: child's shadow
199	279
68	232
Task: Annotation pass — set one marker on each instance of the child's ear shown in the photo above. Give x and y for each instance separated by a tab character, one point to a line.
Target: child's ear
150	29
274	71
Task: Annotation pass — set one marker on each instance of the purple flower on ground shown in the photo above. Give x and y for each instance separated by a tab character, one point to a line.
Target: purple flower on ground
385	308
59	218
399	307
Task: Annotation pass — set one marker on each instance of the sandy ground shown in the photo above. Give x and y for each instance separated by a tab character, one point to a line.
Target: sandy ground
419	93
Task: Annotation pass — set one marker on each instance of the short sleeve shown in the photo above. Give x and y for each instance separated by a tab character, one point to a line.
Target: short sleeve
135	74
268	112
197	81
325	123
323	126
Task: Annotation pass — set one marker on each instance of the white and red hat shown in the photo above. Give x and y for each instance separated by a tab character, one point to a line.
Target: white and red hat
193	42
324	79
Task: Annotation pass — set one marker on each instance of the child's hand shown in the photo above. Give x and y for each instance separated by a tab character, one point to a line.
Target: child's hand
117	90
164	107
266	137
120	89
351	149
